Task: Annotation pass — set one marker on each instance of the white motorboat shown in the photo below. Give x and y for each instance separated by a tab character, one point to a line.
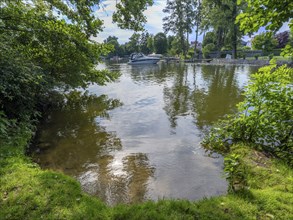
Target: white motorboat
140	58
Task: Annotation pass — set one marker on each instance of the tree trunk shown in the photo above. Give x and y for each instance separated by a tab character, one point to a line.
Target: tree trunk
219	41
196	55
187	41
183	44
234	35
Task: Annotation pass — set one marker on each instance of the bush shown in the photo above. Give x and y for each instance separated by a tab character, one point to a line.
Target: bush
190	53
265	42
21	81
246	48
4	123
264	118
207	49
256	56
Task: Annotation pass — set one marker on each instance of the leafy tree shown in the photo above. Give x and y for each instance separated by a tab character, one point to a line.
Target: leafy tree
209	38
144	39
46	51
264	41
150	43
288	50
170	39
133	45
20	80
160	43
117	49
176	46
124	49
271	14
259	13
113	41
47	44
180	19
140	42
129	14
221	16
207	49
282	39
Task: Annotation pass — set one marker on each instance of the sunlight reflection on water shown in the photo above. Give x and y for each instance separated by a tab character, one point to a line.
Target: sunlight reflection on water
139	138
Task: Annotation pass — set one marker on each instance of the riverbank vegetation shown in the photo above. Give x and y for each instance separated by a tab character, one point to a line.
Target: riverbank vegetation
259	173
224	24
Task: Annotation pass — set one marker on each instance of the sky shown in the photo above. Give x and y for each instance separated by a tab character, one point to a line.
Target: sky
154	23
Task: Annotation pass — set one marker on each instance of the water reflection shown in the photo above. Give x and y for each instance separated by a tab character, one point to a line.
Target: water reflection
176	97
141	139
118	178
74	141
206	92
218	98
73	135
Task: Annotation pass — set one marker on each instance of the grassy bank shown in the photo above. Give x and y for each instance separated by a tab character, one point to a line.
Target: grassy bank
265	191
27	192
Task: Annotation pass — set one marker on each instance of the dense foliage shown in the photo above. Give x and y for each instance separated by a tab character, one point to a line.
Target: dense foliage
265	42
265	115
180	19
288	49
282	38
140	42
270	14
260	13
129	16
160	43
47	44
220	16
207	49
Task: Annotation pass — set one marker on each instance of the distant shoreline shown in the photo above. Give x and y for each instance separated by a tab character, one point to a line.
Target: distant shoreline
250	62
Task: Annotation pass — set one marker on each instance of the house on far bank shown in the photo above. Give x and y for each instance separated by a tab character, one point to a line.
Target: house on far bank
198	46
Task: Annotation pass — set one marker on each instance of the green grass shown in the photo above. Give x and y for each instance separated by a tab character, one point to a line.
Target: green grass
27	192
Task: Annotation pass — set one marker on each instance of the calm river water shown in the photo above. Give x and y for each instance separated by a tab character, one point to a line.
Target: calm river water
139	138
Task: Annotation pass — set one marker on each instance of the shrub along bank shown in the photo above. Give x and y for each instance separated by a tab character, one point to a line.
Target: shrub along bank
260	176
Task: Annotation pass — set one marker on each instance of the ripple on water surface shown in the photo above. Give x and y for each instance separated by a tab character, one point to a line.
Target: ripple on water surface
139	138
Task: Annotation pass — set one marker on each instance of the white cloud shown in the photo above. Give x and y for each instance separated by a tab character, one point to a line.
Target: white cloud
110	29
155	16
154	23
